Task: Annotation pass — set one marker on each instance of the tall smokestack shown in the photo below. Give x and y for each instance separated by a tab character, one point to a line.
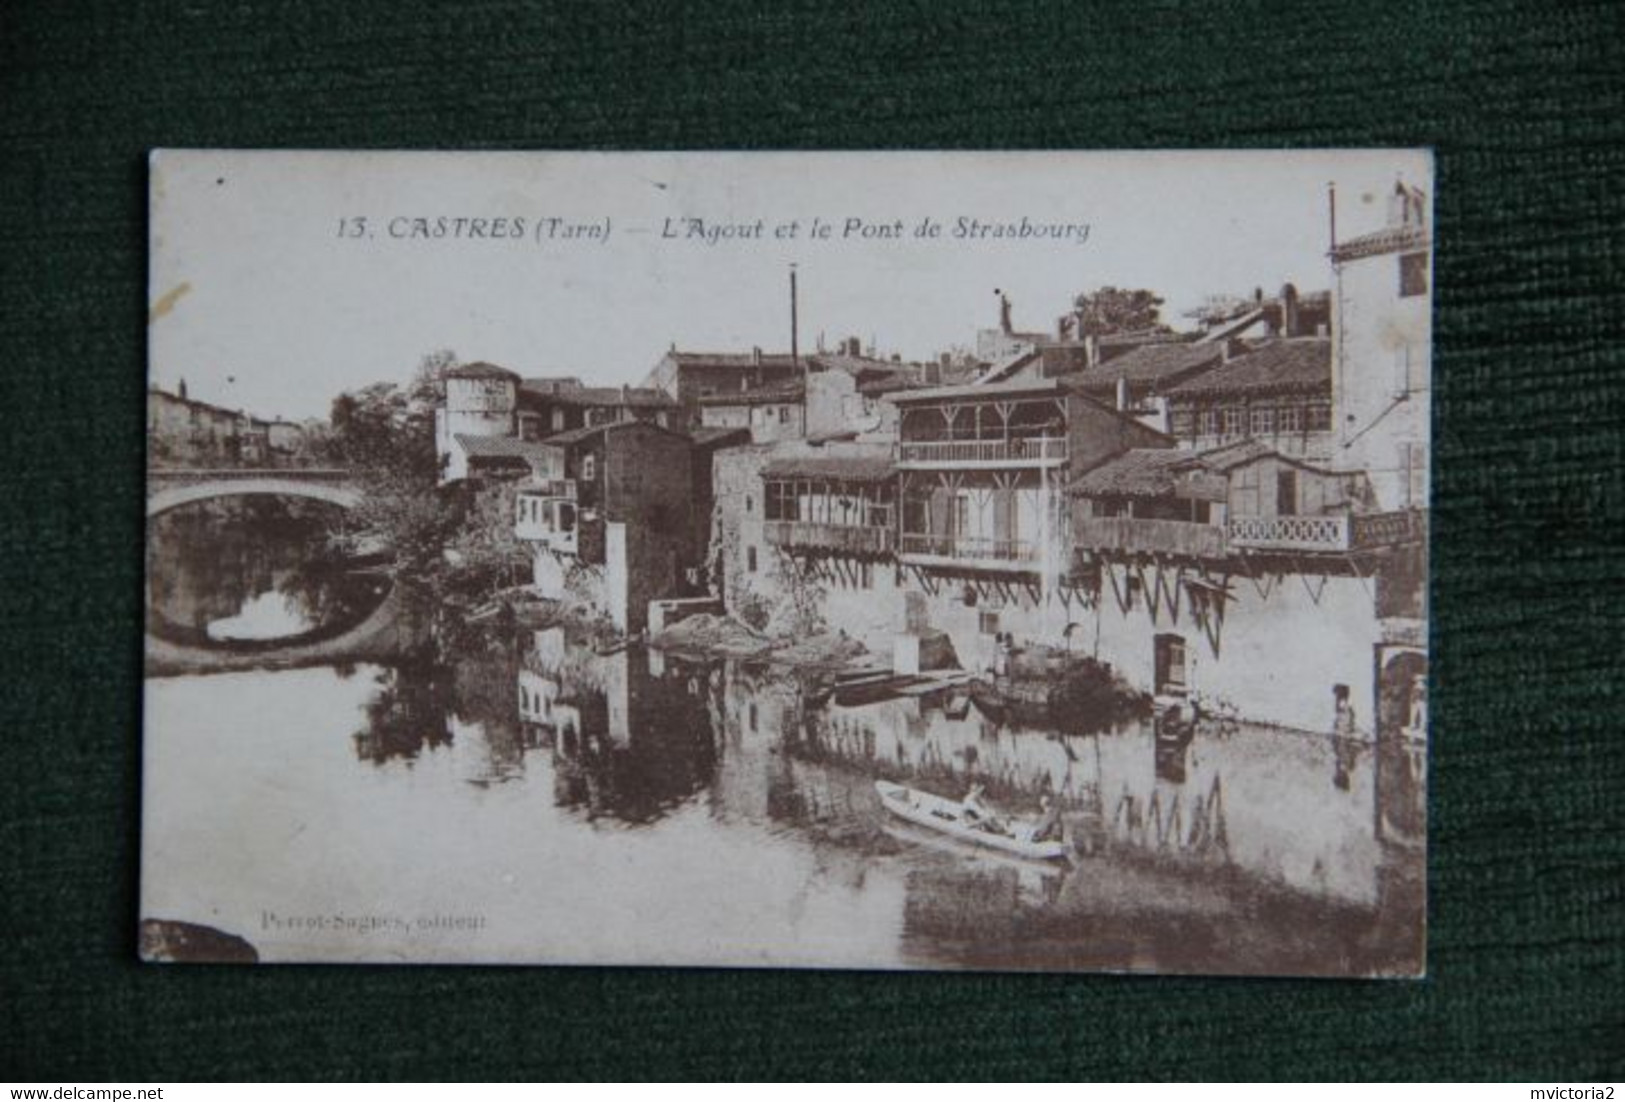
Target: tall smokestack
1331	213
795	349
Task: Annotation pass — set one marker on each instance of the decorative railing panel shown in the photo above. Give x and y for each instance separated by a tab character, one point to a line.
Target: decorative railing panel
1041	450
1290	533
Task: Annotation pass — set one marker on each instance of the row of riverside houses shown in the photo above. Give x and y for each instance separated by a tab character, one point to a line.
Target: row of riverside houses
1235	515
181	429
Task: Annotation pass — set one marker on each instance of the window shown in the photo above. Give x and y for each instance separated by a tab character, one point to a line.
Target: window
1235	422
866	575
1208	422
1289	419
1286	492
1263	421
959	516
589	468
987	622
748	504
750	559
784	415
1413	275
1182	422
558	420
1318	418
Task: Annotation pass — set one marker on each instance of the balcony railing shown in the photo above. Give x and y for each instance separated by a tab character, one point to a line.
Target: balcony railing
1290	533
809	536
967	548
1380	529
1174	537
552	487
1034	452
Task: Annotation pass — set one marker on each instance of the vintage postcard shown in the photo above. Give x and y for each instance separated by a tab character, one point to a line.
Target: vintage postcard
861	560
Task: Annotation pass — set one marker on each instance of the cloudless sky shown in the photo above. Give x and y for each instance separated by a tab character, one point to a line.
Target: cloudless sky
270	297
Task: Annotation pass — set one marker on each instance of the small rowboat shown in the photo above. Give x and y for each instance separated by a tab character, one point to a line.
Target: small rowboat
948	817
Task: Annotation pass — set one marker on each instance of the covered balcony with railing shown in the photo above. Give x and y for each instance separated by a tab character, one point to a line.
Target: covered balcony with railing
992	426
831	505
1001	521
545	512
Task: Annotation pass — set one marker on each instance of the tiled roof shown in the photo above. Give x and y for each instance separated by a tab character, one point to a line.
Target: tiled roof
1391	239
575	436
1299	366
1230	456
1138	472
979	390
846	468
852	365
730	359
500	447
1149	365
707	436
643	397
762	395
549	385
479	369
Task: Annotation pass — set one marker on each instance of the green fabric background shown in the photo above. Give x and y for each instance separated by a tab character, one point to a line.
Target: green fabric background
1524	104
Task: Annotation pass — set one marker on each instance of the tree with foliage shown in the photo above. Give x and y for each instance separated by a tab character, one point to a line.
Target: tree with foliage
384	434
1118	310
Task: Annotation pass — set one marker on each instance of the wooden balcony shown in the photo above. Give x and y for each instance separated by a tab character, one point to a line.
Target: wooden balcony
1386	529
922	549
848	539
1136	534
964	454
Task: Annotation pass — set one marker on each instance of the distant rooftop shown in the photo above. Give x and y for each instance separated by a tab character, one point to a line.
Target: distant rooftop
501	447
479	369
1149	365
844	468
1297	366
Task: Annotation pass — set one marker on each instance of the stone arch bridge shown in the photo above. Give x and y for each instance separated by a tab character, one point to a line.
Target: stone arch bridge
170	488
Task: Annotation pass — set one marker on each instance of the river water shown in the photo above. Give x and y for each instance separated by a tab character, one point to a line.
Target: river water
521	798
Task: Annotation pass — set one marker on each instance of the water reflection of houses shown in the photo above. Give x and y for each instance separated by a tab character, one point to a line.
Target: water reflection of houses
1309	814
629	740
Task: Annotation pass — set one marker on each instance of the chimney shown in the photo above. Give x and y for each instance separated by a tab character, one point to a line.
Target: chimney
1122	393
852	346
896	357
1289	311
1091	350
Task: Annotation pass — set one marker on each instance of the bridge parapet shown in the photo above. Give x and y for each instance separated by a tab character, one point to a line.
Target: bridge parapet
170	488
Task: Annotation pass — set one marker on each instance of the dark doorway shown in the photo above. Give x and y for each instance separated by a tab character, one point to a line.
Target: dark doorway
1170	663
1286	493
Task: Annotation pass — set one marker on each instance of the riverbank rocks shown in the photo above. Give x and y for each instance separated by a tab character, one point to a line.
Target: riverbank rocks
163	941
711	634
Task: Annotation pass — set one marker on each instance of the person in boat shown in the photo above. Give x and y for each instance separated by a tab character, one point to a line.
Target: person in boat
1048	826
977	813
1343	723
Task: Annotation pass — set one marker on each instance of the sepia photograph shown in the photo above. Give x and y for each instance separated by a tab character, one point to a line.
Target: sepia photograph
893	560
